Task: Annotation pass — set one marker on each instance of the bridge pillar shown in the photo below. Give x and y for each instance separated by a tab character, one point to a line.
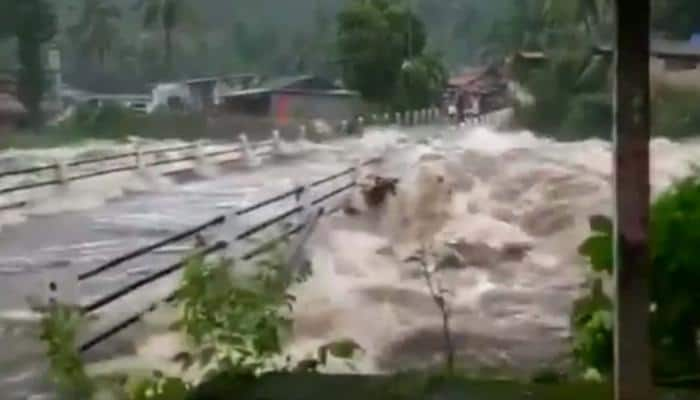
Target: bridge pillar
202	165
249	156
140	162
59	285
303	198
61	170
276	143
397	117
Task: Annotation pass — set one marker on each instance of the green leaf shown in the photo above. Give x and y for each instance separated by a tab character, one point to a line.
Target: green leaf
601	224
599	250
173	389
206	355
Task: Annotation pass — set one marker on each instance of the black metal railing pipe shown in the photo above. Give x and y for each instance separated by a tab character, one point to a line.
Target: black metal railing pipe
269	201
333	193
116	295
147	249
269	222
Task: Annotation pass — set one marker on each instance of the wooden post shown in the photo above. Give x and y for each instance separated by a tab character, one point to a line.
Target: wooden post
633	380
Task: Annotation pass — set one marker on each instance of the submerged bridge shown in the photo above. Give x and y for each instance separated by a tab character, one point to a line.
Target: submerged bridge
103	265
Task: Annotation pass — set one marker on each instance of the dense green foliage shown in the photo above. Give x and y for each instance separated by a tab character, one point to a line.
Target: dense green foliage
381	44
675	287
31	23
59	330
679	18
235	327
572	97
675	113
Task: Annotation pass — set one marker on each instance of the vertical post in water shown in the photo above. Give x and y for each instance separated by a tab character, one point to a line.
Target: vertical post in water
60	285
61	172
249	156
633	379
140	163
276	142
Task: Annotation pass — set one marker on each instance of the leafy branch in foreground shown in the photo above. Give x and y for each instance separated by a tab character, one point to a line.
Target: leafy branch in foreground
439	295
236	325
675	287
59	330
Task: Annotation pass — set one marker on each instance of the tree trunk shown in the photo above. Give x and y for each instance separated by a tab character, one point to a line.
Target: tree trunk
632	264
31	79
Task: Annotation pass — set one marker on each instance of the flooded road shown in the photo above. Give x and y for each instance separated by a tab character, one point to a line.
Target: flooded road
507	191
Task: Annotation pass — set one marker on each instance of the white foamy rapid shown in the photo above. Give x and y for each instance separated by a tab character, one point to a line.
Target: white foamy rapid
93	192
504	211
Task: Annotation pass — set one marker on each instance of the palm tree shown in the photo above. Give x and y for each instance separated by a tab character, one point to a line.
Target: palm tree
96	32
167	15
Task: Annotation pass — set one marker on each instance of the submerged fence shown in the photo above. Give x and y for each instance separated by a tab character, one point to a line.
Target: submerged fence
306	206
309	209
137	158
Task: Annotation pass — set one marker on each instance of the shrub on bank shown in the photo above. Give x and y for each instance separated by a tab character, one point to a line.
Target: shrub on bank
675	288
675	111
113	121
235	330
573	101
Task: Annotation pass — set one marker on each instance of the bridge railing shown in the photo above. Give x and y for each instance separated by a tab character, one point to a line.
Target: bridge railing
305	205
61	175
312	207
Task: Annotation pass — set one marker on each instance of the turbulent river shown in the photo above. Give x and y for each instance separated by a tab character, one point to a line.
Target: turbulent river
510	206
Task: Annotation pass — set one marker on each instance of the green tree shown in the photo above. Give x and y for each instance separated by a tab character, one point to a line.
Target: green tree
96	32
33	23
675	288
679	18
375	39
168	15
421	82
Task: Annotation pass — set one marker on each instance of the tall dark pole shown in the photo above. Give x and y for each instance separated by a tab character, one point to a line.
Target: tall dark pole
633	379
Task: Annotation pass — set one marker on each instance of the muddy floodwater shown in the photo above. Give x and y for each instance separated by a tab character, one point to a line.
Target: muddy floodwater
505	211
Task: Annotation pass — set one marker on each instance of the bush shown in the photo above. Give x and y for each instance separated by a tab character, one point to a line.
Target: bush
675	111
675	287
109	120
571	97
589	115
236	329
113	121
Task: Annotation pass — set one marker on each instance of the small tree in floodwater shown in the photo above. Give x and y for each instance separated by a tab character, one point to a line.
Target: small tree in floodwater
439	294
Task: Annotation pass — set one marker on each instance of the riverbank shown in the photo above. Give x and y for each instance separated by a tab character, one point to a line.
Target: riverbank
404	387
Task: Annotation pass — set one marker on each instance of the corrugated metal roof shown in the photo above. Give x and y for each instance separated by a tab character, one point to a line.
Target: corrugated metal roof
283	82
